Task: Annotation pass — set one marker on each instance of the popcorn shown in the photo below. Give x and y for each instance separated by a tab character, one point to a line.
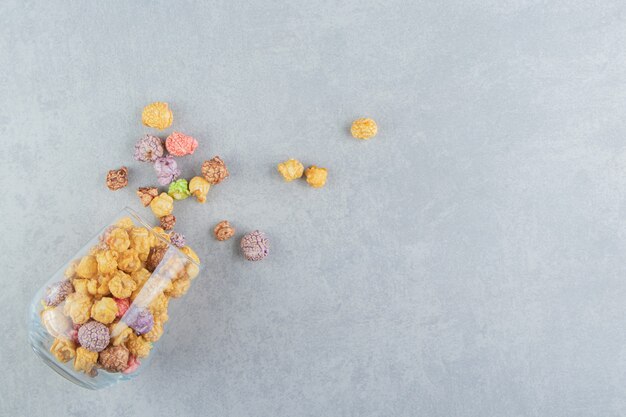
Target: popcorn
255	246
104	310
154	241
70	271
78	307
214	170
122	285
140	320
85	360
117	178
146	194
120	333
114	358
155	333
87	268
107	261
179	144
118	240
179	189
154	258
63	350
122	305
56	293
159	304
199	188
168	222
80	285
192	269
162	205
140	241
166	169
157	115
316	177
138	346
140	277
133	364
55	322
100	286
129	261
94	336
223	231
148	148
179	287
364	128
291	169
125	223
177	239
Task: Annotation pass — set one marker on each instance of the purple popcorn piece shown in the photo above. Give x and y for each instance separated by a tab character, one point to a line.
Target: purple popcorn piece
140	320
94	336
177	239
166	169
255	246
57	292
148	148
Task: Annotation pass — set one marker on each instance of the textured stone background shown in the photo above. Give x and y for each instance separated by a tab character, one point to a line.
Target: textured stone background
469	261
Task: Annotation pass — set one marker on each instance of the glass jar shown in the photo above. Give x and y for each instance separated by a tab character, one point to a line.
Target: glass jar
96	319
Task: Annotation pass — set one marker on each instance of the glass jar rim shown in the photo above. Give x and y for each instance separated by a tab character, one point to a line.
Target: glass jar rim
158	236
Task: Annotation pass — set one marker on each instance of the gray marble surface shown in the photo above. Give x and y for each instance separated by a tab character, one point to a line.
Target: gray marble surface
468	261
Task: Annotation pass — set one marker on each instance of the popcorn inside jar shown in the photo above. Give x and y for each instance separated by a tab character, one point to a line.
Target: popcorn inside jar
96	320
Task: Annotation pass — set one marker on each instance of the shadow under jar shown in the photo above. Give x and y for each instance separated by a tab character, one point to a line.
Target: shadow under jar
96	319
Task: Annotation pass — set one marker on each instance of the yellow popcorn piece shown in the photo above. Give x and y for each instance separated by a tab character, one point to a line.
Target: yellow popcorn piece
104	310
179	287
138	346
316	177
70	271
364	128
162	205
78	307
107	261
80	285
85	360
140	277
129	261
125	223
291	169
159	304
87	267
155	333
122	285
140	241
120	333
63	349
118	240
154	241
199	188
157	115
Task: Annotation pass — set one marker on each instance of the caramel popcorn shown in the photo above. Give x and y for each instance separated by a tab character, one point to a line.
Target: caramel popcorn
85	360
162	205
147	194
78	307
155	241
104	310
107	261
63	349
159	304
117	178
154	258
157	115
199	188
129	261
138	346
88	267
100	286
140	241
80	285
192	269
140	277
168	222
364	128
125	223
155	333
291	169
214	170
223	231
114	358
120	333
122	285
118	240
179	287
316	177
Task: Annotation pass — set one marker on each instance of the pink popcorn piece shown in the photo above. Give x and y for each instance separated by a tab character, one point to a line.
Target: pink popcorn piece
133	364
122	306
179	144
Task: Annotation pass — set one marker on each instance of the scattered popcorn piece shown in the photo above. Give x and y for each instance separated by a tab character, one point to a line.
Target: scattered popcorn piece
179	144
223	231
162	205
364	128
291	169
148	148
199	188
214	170
146	194
117	178
255	246
179	189
166	169
157	115
316	177
168	222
